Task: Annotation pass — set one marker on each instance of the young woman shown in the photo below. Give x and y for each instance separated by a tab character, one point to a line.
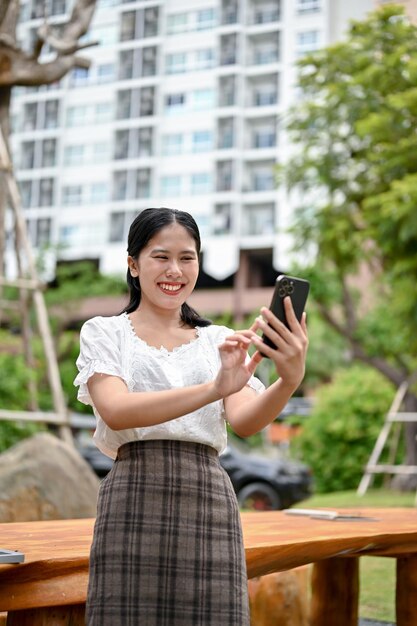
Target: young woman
167	547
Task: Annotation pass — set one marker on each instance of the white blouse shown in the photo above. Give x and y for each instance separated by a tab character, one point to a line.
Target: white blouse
109	345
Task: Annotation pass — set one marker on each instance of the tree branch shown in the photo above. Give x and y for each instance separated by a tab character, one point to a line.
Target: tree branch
395	375
26	71
61	45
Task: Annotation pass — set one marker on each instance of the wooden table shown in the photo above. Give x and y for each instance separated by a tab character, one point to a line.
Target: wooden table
50	587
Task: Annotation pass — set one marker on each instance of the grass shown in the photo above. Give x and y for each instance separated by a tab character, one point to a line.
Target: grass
377	574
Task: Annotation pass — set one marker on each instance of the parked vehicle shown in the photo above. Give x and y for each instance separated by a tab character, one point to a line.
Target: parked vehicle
260	483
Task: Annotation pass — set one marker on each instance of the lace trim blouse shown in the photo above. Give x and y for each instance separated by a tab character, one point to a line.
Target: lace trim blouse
109	345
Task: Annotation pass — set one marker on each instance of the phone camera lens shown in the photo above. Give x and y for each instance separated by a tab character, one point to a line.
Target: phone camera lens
282	292
290	289
284	282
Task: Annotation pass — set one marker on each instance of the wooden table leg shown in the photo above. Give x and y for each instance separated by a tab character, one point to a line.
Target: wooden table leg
335	592
72	615
406	593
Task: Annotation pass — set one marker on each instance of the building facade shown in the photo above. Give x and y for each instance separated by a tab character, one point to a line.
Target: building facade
181	107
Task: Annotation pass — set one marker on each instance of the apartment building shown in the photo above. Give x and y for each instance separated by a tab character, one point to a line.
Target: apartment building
181	107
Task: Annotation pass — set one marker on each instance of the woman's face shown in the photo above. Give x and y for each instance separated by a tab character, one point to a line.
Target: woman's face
167	267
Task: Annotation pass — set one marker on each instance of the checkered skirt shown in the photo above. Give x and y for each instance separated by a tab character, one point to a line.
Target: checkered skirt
167	547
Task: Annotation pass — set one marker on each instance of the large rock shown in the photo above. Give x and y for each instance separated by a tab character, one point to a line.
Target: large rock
280	599
43	478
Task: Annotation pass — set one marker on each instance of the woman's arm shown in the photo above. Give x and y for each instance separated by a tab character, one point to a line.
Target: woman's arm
122	409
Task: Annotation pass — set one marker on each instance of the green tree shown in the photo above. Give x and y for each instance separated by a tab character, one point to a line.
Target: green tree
355	169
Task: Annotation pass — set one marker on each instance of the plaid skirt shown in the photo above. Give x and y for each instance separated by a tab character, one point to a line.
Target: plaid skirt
167	547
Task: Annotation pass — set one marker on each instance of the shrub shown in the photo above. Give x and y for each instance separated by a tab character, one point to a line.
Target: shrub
338	437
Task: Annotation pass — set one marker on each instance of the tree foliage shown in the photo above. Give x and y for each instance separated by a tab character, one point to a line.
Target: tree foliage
354	168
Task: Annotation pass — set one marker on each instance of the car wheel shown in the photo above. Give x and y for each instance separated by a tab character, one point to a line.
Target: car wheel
258	497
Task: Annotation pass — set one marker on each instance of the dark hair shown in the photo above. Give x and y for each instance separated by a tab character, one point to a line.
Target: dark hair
145	226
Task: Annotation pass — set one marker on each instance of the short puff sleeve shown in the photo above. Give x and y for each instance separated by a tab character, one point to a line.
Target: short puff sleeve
99	353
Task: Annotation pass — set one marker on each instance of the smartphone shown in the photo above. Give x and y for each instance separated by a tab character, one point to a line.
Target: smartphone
297	289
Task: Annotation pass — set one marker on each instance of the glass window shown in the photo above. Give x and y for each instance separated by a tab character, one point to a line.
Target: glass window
43	232
206	18
177	23
203	99
143	183
122	144
105	72
308	6
120	185
48	152
171	185
28	155
72	195
172	144
175	63
77	115
258	219
74	155
202	141
29	116
79	76
25	188
204	59
124	102
175	103
201	183
263	180
103	112
46	192
51	114
144	142
128	26
99	193
307	41
117	227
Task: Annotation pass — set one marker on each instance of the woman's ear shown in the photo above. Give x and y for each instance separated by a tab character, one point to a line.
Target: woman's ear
132	267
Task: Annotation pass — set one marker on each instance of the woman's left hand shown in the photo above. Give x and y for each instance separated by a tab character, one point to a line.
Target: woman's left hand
290	356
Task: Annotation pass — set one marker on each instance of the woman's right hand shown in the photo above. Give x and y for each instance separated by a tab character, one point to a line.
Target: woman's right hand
235	371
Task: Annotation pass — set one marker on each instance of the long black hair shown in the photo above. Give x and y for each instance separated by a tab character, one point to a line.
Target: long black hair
145	226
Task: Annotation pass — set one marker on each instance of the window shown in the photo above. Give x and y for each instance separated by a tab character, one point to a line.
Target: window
171	185
175	103
28	155
74	155
308	6
206	18
172	144
202	141
204	59
30	116
103	112
117	227
263	179
147	99
25	188
201	183
127	65
120	185
79	76
124	102
203	99
46	192
128	26
307	41
105	72
222	219
72	195
48	152
77	115
99	193
177	23
143	183
175	63
122	144
51	114
265	96
43	232
144	142
258	219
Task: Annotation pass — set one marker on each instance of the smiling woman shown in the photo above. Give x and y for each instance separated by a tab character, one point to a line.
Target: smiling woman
162	382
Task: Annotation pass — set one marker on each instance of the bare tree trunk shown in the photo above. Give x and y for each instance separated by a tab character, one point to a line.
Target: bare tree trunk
5	93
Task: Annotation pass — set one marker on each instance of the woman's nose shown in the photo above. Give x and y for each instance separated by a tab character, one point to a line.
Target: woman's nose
174	269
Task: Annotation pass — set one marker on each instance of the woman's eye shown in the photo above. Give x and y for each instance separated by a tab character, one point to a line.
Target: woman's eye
161	257
188	258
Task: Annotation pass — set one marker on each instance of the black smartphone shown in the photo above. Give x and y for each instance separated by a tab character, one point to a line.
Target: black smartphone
297	289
